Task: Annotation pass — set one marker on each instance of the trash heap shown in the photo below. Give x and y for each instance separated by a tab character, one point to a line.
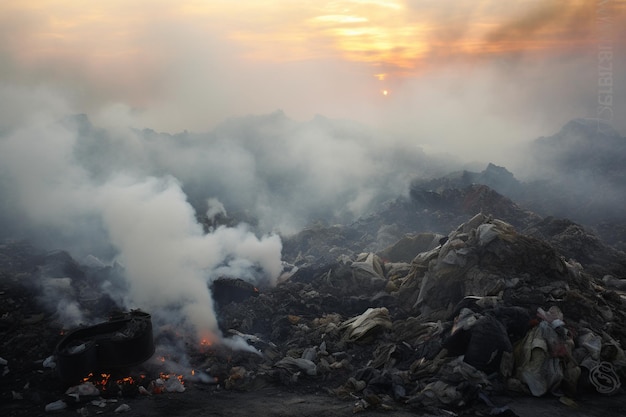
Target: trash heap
483	311
442	324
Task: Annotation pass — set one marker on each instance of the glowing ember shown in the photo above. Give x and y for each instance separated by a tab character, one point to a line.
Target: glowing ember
128	385
206	342
168	383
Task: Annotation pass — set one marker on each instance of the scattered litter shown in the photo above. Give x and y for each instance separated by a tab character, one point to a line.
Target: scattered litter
86	389
122	408
56	406
49	362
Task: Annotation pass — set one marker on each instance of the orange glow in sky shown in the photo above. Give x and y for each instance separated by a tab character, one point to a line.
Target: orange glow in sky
141	51
380	33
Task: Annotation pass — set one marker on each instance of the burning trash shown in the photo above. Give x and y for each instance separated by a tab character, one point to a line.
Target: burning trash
123	341
487	313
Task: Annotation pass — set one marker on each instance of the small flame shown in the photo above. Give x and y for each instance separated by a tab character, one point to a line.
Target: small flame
128	380
165	377
206	341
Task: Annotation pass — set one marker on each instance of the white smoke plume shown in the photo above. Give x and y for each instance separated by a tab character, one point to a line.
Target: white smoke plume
215	208
168	258
143	222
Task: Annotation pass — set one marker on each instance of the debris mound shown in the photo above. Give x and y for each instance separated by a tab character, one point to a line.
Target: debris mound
436	323
485	310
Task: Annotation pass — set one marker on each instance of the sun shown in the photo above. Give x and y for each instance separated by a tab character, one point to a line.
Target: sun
385	92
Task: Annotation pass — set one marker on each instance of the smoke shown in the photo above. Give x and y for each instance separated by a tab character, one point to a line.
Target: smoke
143	222
215	208
568	20
168	258
275	173
133	198
59	295
492	78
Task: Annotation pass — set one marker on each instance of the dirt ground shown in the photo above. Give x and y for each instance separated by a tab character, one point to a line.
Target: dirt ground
204	401
277	403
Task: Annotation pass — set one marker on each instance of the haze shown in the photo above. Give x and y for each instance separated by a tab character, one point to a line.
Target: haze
464	76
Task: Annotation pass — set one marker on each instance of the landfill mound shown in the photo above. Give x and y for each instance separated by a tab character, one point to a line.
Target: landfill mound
484	310
578	173
437	210
435	324
409	223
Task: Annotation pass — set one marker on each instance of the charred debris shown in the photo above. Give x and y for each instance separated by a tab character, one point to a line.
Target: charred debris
426	306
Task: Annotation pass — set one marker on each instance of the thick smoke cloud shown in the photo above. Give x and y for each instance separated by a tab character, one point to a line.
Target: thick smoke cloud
271	171
169	259
159	204
143	222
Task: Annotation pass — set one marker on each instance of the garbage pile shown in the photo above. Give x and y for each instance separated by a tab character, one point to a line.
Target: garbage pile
433	323
484	310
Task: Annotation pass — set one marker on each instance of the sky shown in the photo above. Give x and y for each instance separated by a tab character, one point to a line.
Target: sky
462	73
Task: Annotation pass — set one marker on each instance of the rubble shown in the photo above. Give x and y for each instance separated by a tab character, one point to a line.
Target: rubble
487	302
484	311
365	327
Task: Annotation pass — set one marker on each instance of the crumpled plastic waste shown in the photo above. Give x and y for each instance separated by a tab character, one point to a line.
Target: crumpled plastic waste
298	363
455	383
49	362
362	328
486	232
536	367
122	408
554	316
55	406
86	389
591	342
